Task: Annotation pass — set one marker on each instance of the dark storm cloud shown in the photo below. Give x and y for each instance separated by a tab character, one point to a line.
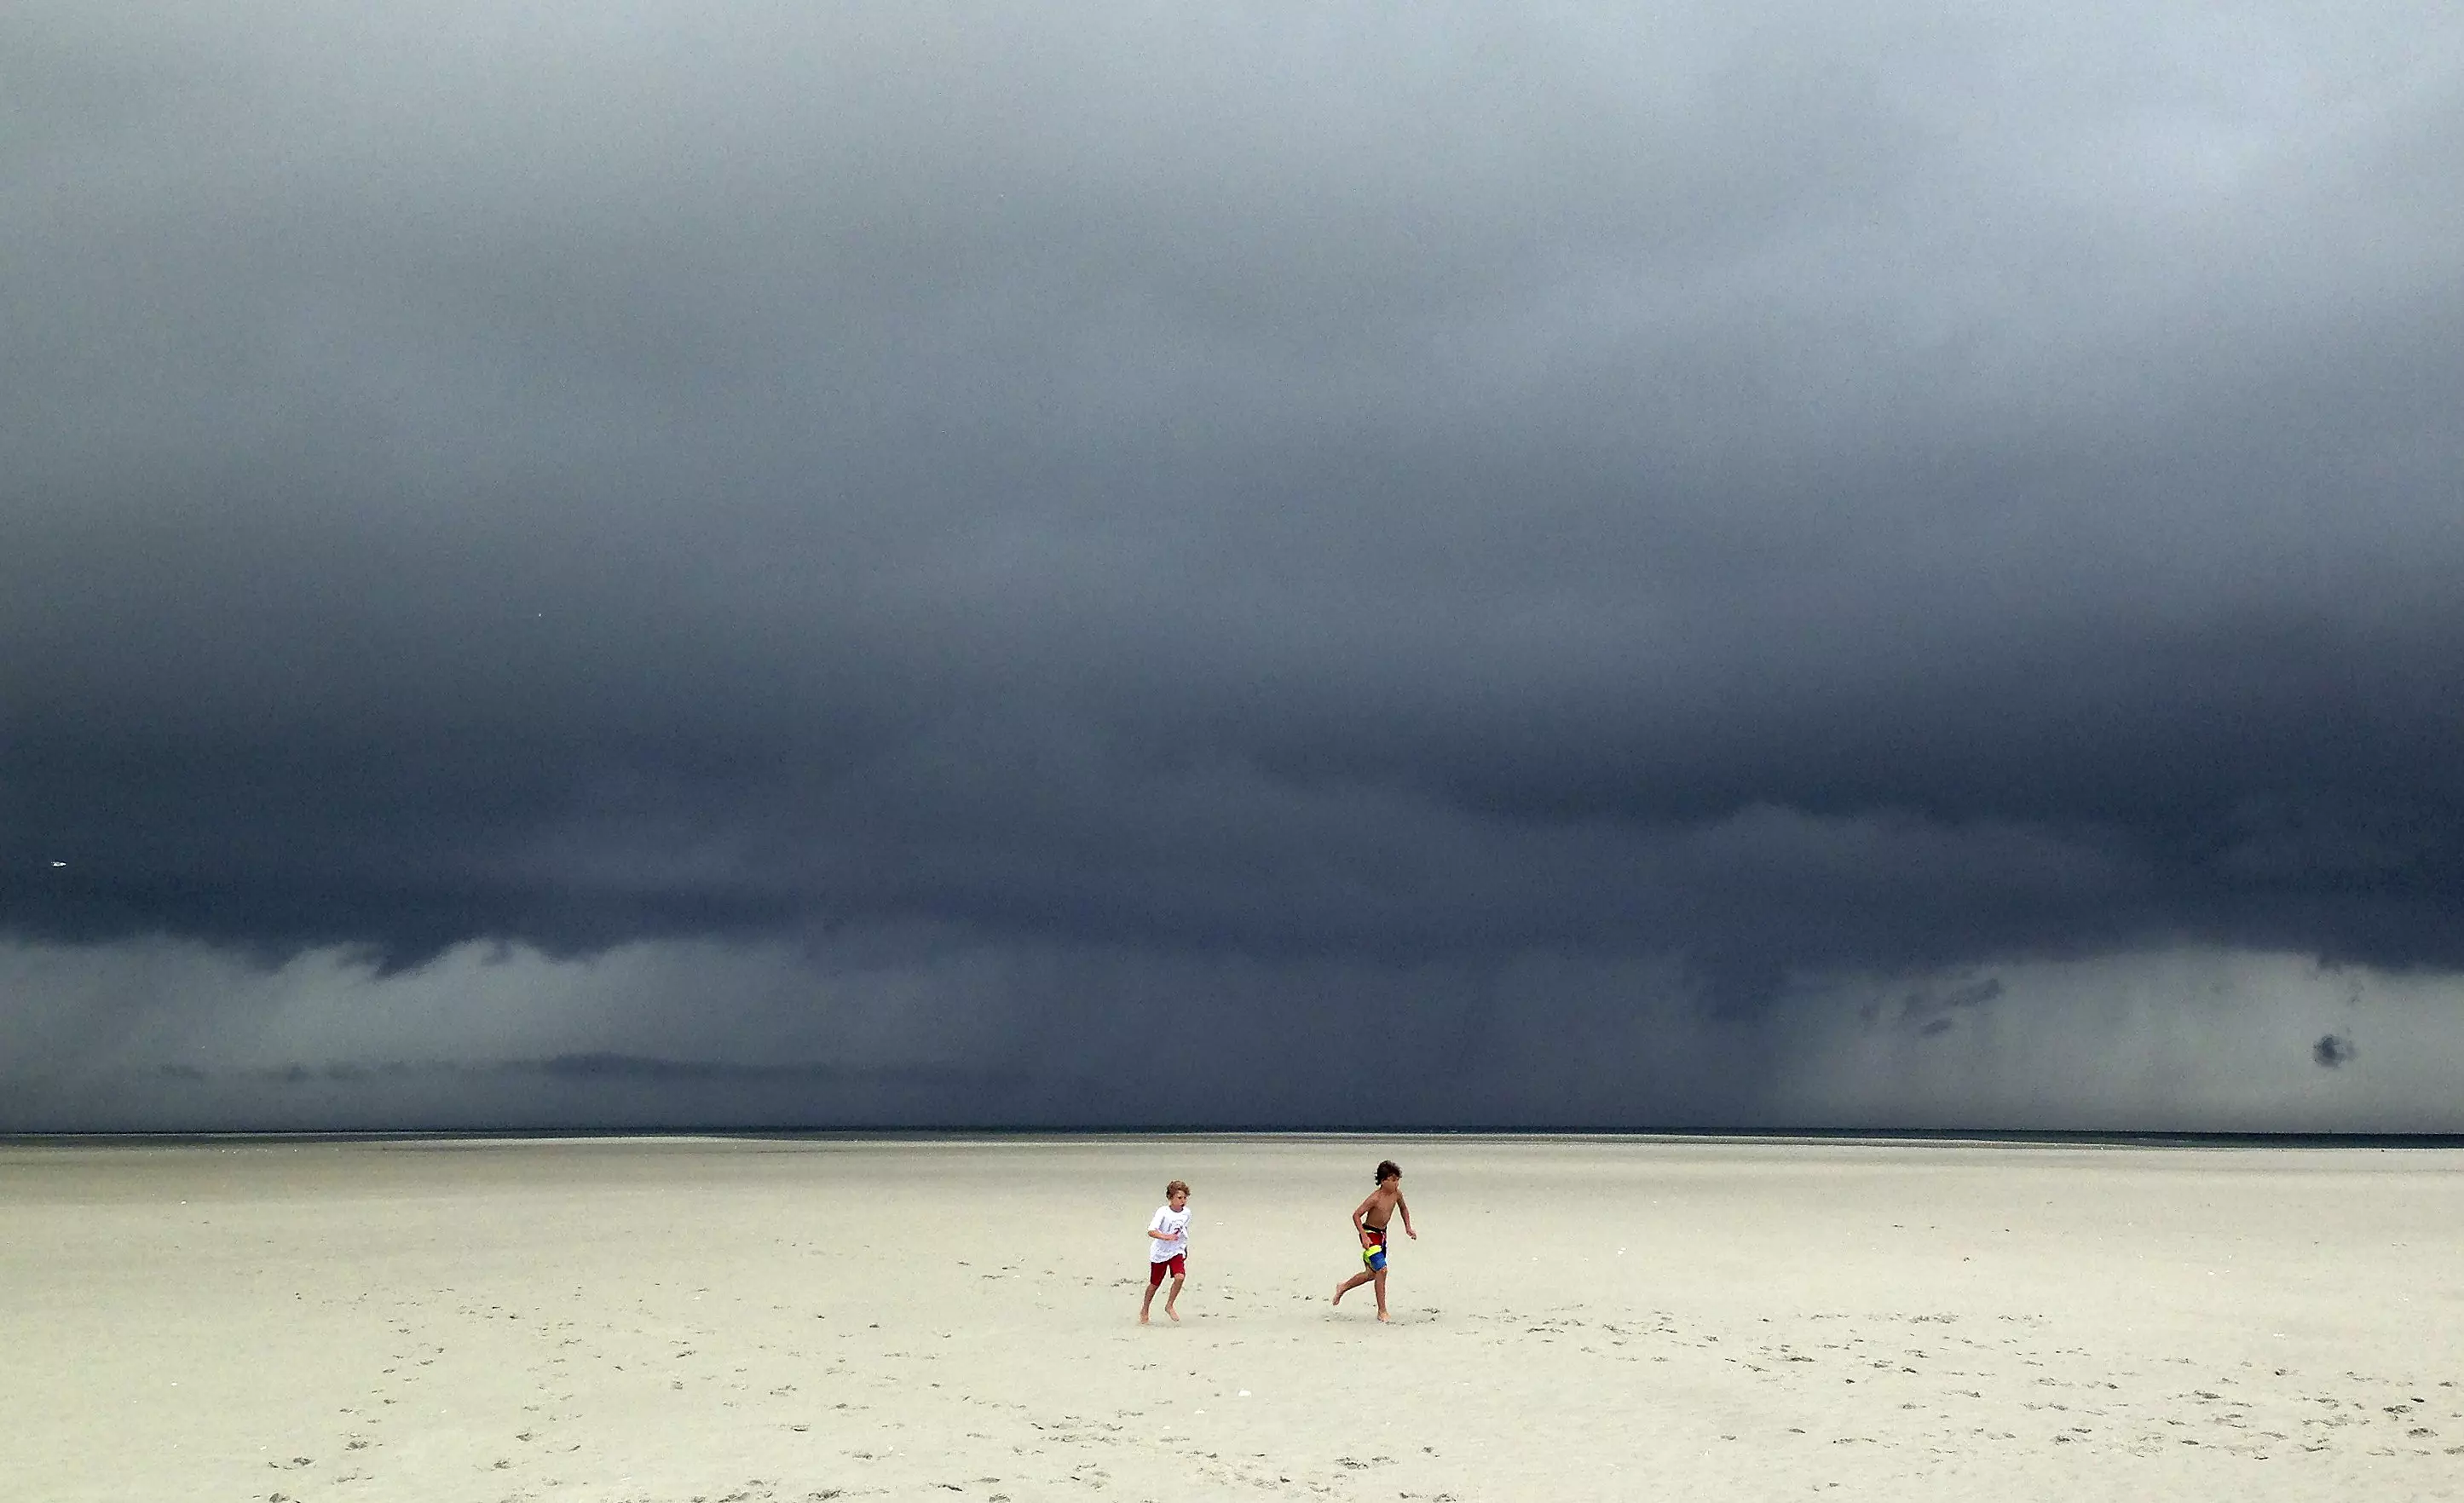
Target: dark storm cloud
1932	1011
1771	487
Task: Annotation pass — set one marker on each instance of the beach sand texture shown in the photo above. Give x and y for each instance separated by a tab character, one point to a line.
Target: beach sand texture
694	1319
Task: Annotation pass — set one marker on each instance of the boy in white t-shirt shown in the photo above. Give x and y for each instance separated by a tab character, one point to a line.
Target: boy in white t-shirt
1168	1247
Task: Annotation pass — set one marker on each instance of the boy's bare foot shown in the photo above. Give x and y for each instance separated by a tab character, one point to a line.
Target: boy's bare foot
1170	1311
1338	1291
1383	1315
1143	1318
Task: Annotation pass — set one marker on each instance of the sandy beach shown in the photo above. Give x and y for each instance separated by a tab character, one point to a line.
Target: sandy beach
705	1320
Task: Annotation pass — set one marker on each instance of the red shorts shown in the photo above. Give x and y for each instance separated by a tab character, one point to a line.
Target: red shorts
1178	1266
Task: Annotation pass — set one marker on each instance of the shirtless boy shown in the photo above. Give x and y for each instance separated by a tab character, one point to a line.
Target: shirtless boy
1369	1220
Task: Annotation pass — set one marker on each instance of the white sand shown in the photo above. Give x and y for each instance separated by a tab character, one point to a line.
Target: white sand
698	1319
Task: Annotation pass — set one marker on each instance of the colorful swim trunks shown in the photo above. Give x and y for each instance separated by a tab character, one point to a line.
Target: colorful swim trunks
1375	1253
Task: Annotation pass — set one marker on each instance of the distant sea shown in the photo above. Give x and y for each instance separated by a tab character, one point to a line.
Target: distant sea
1094	1132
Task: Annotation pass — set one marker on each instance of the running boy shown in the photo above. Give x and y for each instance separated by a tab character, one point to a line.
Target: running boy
1369	1219
1168	1247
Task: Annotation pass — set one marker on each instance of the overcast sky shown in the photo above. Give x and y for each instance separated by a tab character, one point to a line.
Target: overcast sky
1745	563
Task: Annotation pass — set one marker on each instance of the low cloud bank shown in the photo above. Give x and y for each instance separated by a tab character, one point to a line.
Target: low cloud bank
923	1028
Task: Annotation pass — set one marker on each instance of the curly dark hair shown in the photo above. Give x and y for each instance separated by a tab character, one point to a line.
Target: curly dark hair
1388	1169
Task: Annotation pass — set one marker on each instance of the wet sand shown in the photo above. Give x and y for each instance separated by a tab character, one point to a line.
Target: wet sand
680	1319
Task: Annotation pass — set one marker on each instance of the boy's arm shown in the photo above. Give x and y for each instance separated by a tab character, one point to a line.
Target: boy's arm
1406	1206
1360	1211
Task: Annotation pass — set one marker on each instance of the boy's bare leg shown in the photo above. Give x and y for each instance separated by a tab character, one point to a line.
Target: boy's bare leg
1351	1284
1171	1299
1381	1277
1144	1303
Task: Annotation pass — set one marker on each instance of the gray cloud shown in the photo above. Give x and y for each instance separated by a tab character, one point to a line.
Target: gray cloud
915	1029
1757	492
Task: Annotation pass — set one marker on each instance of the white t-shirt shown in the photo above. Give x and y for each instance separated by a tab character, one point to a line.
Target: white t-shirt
1163	1249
